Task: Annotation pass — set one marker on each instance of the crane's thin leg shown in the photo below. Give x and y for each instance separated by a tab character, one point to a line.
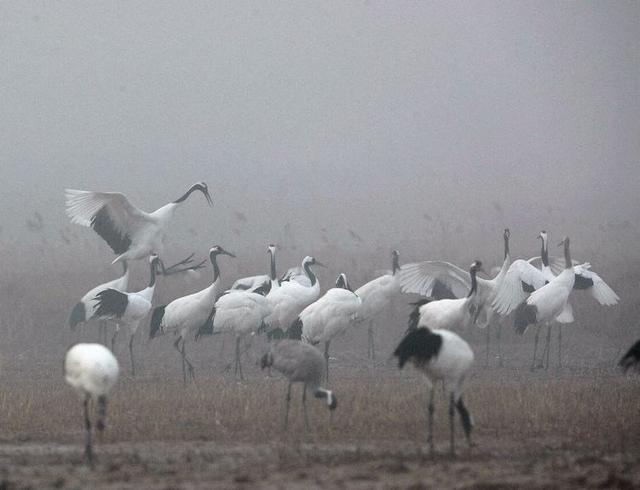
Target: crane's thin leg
452	424
238	357
102	413
465	418
192	372
547	348
535	347
176	346
430	410
102	332
326	357
88	449
133	366
286	411
499	342
113	339
559	345
486	357
372	343
304	406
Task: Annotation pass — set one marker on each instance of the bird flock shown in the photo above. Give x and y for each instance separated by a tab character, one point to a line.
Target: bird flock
296	317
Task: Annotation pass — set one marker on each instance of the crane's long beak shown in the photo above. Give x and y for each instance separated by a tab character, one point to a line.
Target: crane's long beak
320	264
208	197
228	253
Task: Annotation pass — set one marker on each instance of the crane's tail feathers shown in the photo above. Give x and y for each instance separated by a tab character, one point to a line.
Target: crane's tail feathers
207	327
421	344
295	330
525	315
631	358
414	316
156	321
78	315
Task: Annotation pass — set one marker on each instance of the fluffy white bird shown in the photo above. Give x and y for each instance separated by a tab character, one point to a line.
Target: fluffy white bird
292	297
241	313
187	314
449	314
328	317
253	282
440	355
83	311
129	231
299	363
128	308
92	370
376	296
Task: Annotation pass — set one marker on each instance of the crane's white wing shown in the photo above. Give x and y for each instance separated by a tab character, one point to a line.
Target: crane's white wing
600	290
420	277
557	264
521	279
110	214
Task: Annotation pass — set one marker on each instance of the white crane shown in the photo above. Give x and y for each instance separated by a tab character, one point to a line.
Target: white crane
421	278
297	274
376	296
328	317
187	314
523	278
128	308
92	370
252	282
632	358
440	355
292	297
83	311
241	313
448	314
129	231
299	363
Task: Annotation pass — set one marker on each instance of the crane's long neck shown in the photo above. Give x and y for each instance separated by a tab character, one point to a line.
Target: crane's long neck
506	246
567	255
272	270
395	264
544	252
152	274
185	196
307	269
474	283
216	269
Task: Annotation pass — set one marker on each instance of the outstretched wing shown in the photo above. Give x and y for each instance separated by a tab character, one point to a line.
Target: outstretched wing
600	290
520	280
421	277
110	214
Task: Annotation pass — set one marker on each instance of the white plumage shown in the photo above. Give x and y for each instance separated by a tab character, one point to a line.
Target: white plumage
92	370
129	231
253	282
330	316
185	315
288	300
376	296
440	355
128	308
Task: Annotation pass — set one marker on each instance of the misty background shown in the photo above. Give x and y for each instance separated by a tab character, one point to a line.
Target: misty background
335	129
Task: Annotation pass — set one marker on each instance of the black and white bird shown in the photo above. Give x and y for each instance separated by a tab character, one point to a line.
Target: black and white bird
422	278
241	313
92	370
83	311
291	297
632	358
130	232
252	282
328	317
376	296
299	363
185	315
440	355
128	308
449	314
523	278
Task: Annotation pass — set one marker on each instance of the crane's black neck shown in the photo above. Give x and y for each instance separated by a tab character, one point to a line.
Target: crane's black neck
152	277
506	245
312	277
474	282
184	197
544	252
124	267
395	264
274	277
567	256
214	262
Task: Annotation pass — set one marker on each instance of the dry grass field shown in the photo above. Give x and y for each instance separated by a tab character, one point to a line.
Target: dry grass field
576	427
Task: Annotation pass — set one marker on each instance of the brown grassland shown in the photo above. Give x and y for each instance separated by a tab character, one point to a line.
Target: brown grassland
574	427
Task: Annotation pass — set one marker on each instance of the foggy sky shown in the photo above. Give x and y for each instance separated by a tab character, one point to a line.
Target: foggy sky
336	115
